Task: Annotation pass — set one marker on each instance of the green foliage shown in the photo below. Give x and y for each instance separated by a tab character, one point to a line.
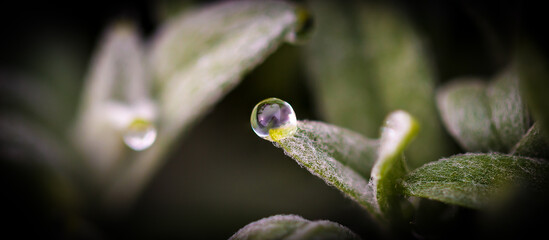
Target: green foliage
484	117
366	60
477	180
293	227
368	67
343	159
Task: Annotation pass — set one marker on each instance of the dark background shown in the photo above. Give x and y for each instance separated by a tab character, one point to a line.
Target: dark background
222	176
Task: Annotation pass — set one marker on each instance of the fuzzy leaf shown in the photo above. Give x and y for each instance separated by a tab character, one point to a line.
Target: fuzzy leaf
196	58
534	75
398	132
329	152
116	80
508	110
200	55
366	60
477	180
464	108
333	154
293	227
532	144
485	117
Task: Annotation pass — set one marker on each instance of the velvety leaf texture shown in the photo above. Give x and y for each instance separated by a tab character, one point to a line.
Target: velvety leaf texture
292	227
327	157
477	180
333	154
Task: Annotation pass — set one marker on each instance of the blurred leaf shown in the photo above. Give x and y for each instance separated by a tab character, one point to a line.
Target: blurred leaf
534	84
477	180
464	108
339	70
196	58
20	136
484	117
293	227
117	78
532	144
332	154
366	60
508	110
28	96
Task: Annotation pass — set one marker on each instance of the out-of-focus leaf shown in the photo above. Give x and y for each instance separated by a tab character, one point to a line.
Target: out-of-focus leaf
532	144
484	117
21	136
341	76
464	108
293	227
477	180
366	60
332	154
117	77
508	110
32	98
196	58
534	84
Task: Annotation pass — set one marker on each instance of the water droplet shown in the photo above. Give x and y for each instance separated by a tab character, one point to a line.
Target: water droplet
140	134
273	119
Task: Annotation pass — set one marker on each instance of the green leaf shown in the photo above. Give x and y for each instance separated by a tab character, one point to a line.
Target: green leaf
534	72
484	117
293	227
196	58
477	180
200	55
367	60
117	85
532	144
396	135
335	154
510	116
464	108
330	152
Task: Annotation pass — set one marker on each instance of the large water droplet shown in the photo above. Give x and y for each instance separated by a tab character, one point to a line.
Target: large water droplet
140	134
273	119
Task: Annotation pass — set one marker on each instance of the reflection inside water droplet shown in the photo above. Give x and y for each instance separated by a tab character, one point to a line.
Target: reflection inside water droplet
140	135
273	119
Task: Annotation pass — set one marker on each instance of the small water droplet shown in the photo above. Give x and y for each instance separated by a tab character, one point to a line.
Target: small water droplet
140	134
273	119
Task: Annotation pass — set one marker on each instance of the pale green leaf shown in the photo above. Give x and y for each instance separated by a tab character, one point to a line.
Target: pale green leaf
532	144
196	58
366	60
333	154
389	167
484	117
292	227
116	84
329	152
477	180
508	110
464	108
